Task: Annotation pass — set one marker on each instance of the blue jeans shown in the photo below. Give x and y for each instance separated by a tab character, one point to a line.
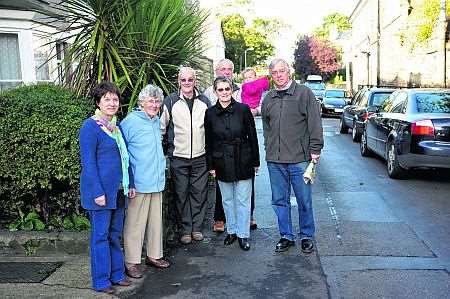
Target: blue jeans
282	177
236	205
107	262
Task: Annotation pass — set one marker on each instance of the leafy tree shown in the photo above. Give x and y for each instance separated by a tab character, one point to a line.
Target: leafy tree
233	27
239	37
303	62
315	56
337	20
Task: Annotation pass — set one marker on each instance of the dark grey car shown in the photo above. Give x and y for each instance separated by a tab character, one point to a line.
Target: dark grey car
355	114
411	131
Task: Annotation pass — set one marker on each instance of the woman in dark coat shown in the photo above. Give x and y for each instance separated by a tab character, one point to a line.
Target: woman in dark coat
233	158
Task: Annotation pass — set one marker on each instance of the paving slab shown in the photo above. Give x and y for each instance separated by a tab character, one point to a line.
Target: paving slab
370	239
395	284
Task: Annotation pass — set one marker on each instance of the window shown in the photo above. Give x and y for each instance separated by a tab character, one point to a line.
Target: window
335	94
363	101
10	73
61	52
41	64
399	103
433	102
379	98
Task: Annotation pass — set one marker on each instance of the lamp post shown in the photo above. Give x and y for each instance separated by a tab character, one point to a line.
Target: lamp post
245	56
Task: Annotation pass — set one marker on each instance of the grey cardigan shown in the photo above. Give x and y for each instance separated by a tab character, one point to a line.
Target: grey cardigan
292	125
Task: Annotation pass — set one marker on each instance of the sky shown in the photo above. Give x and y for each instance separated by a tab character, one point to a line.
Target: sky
302	16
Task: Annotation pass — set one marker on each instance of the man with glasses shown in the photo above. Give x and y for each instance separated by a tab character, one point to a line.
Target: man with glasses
293	137
182	120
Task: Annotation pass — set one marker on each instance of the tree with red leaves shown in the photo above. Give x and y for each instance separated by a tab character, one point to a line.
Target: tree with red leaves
314	56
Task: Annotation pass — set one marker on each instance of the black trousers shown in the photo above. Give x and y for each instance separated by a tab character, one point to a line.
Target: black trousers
219	214
190	179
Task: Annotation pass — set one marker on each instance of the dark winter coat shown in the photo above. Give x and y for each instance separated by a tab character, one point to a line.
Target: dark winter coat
231	142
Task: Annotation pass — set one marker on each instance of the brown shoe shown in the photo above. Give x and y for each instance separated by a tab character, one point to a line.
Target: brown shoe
123	283
197	236
108	290
157	263
133	271
186	239
219	227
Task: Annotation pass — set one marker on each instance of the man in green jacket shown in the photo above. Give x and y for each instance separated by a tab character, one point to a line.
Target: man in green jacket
293	138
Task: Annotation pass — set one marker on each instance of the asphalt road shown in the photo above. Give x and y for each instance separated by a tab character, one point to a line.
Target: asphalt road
376	238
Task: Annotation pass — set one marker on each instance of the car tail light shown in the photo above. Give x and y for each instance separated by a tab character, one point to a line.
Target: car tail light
366	115
422	127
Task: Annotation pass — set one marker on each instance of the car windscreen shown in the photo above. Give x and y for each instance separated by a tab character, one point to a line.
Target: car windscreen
315	85
378	98
335	94
433	102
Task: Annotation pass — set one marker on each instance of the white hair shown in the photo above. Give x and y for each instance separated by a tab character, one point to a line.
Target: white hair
150	91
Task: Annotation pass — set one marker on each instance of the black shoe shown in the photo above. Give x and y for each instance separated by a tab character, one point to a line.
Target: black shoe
244	244
283	245
229	239
307	245
253	224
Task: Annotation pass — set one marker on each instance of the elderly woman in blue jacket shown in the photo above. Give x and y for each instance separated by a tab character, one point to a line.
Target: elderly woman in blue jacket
105	182
141	129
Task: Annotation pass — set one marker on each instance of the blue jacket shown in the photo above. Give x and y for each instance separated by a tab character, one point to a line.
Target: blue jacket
101	171
147	159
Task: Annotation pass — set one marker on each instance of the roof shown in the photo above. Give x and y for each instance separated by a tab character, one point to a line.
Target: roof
44	10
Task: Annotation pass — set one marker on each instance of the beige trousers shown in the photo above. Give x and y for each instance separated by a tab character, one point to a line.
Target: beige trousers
144	213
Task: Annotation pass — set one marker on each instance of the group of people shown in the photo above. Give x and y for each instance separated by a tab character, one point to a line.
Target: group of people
210	133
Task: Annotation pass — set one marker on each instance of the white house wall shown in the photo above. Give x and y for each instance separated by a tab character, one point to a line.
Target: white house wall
31	37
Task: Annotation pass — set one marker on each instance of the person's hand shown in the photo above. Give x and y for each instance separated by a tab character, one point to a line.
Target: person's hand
213	173
315	157
254	112
132	193
256	169
100	201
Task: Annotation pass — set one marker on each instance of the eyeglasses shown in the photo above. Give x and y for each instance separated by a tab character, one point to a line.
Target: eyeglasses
222	89
154	102
190	80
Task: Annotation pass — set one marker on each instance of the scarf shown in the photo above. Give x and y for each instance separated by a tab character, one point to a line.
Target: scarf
110	128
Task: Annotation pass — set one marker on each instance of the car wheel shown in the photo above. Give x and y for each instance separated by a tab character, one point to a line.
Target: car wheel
395	171
365	152
343	129
355	136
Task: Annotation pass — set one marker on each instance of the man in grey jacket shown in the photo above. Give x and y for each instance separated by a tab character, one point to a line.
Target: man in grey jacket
293	138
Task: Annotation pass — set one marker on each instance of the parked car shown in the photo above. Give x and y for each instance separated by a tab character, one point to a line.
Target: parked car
355	114
413	131
333	102
317	87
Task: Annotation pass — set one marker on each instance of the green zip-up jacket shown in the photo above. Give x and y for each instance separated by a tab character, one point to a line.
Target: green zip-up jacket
292	125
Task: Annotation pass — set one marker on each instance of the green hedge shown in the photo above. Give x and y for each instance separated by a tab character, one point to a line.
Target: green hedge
39	154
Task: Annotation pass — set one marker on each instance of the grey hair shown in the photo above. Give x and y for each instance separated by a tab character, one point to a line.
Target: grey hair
222	79
150	91
186	69
276	61
224	61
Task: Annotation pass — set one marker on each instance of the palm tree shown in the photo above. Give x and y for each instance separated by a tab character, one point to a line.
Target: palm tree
130	42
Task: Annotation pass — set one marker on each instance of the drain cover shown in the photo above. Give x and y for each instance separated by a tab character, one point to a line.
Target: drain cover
18	272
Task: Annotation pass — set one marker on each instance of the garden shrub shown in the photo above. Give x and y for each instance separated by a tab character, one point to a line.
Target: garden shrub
39	154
